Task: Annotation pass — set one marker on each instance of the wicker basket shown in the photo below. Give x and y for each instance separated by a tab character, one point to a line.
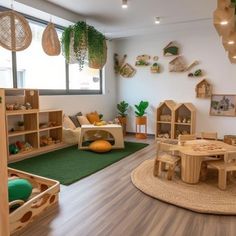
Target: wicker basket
50	42
15	32
98	63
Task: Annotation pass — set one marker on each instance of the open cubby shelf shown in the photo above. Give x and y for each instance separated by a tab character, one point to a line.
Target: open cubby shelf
22	105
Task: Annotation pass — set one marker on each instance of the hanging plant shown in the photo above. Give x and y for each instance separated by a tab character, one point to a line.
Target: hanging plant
80	42
65	43
97	48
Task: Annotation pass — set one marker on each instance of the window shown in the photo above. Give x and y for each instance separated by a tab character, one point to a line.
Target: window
35	69
50	74
6	80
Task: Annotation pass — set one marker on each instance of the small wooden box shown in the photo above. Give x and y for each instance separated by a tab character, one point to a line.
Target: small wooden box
230	139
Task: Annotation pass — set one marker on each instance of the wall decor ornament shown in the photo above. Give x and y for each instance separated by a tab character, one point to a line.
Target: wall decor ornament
178	64
142	60
15	32
127	71
155	68
197	73
223	105
203	89
50	42
172	49
118	63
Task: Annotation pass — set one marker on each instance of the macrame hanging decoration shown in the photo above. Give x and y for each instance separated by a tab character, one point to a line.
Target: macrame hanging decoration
50	42
15	32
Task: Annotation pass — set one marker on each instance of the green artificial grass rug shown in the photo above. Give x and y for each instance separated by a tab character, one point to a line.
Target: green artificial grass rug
69	165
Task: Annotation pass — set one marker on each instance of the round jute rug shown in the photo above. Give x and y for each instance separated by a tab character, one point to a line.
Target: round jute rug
204	197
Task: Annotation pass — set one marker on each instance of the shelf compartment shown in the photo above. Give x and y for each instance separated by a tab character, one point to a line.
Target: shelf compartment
49	128
50	118
21	112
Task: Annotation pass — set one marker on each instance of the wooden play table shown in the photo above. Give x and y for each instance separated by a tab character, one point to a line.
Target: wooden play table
113	130
193	153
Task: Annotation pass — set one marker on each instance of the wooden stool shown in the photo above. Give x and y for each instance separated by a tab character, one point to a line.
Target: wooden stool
165	159
223	167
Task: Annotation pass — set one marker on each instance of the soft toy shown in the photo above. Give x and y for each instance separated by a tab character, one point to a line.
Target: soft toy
19	189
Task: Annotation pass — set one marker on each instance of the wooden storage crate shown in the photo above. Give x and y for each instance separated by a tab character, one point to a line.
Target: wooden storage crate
45	194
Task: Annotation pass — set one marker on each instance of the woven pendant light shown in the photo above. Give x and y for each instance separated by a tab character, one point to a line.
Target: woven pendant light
15	32
223	16
232	56
229	40
50	42
223	3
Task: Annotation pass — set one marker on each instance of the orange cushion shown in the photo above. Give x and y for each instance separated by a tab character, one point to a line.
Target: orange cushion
93	117
100	146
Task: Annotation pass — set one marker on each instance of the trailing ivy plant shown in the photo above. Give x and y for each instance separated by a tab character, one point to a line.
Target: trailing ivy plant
80	42
65	42
97	51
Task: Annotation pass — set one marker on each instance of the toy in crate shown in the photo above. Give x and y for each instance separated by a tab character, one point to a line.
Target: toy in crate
29	196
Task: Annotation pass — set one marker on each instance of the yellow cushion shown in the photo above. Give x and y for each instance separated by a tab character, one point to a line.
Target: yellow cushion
93	117
100	146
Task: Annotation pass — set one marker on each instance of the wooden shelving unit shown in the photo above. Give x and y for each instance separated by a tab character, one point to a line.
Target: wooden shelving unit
173	119
184	119
164	119
37	124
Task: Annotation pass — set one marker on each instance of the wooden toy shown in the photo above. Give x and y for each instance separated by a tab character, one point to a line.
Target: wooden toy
142	60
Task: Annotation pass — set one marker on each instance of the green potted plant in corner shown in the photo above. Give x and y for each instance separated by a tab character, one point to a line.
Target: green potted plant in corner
97	48
141	119
122	108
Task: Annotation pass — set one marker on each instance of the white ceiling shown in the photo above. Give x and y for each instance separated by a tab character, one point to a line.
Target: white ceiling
138	18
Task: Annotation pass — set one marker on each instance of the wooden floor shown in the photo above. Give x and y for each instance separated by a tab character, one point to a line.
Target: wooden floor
107	203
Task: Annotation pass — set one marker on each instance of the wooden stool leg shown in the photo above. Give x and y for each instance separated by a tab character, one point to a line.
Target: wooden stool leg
170	172
222	179
156	167
163	166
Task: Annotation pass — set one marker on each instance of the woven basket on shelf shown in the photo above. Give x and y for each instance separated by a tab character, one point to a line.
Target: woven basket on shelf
50	42
15	32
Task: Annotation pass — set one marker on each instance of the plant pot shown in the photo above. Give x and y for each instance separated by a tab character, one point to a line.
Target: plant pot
123	122
141	120
141	136
20	128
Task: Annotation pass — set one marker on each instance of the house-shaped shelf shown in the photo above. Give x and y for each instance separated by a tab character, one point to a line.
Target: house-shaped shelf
184	119
164	119
203	89
172	49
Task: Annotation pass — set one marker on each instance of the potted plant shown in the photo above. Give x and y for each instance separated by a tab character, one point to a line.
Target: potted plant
141	119
122	108
97	48
74	43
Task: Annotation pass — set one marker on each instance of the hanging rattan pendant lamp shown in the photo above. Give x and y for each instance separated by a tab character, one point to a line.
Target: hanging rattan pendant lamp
50	42
15	32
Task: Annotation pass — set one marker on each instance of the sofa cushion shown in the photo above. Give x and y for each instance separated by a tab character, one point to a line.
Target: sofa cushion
83	120
67	123
75	120
93	117
100	146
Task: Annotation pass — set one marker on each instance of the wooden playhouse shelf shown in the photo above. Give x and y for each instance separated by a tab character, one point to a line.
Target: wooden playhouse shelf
173	119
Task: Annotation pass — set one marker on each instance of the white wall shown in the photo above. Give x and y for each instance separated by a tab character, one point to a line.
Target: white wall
105	103
197	44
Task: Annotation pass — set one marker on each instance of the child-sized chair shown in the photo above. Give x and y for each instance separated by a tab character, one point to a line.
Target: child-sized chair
165	157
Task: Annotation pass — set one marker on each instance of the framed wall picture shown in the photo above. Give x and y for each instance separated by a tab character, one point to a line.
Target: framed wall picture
223	105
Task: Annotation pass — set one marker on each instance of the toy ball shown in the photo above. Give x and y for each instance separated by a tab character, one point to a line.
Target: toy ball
19	189
13	149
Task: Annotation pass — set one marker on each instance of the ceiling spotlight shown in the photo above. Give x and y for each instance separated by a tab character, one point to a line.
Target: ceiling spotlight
157	20
124	3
